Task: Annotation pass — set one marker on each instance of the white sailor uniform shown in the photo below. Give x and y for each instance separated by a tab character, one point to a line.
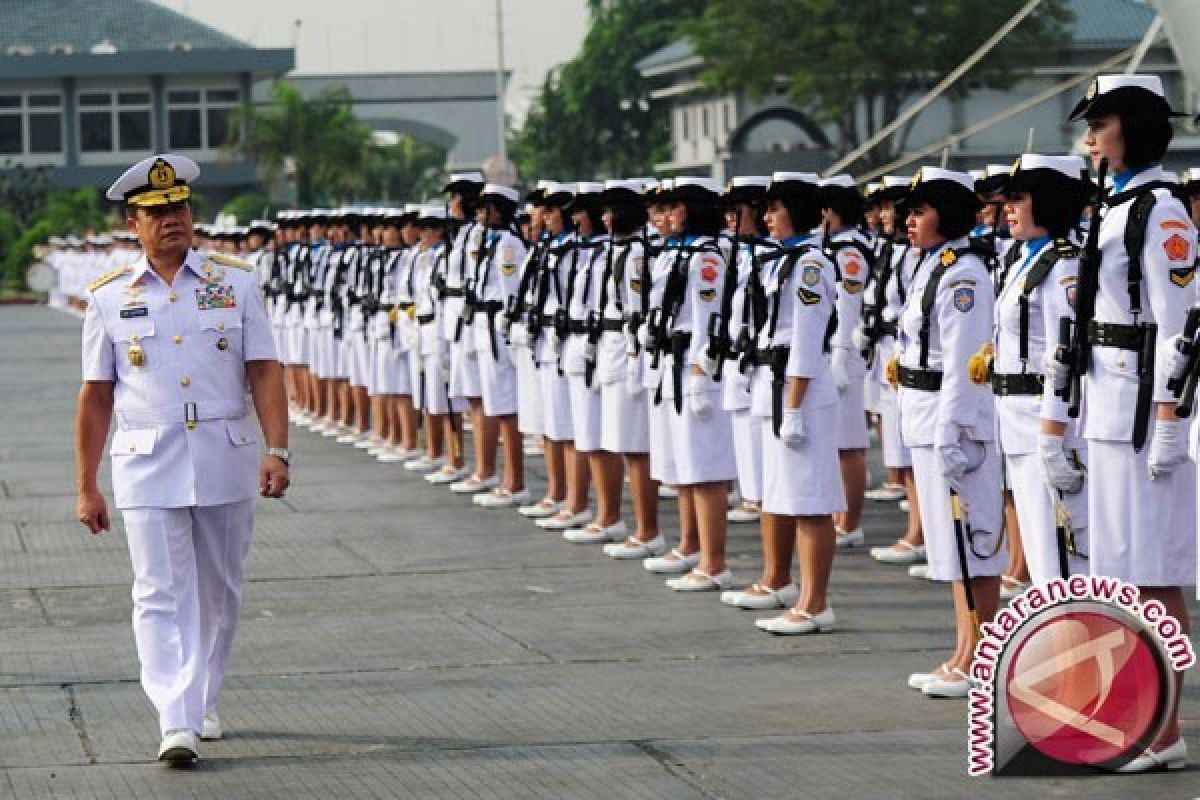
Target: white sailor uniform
529	382
662	450
624	424
852	253
552	287
496	281
582	290
459	266
735	384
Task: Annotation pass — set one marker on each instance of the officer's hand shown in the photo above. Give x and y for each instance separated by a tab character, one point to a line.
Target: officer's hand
699	403
1057	470
859	338
1057	373
1177	357
93	512
839	362
273	477
791	428
1168	448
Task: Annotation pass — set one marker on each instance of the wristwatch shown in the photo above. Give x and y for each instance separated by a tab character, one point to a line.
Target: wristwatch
282	453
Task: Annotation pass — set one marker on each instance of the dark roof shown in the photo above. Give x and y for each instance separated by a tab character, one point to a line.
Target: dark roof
1110	22
130	25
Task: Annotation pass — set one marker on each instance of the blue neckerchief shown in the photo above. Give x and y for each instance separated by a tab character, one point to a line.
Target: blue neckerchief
689	239
1121	179
561	237
981	230
339	247
1030	249
798	239
672	241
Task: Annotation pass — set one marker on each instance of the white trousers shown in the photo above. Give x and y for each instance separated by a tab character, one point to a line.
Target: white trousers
1035	503
187	593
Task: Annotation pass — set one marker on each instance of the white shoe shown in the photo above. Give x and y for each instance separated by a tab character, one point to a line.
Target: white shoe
899	553
1171	757
350	438
390	455
673	563
442	477
633	548
473	485
762	598
888	493
321	425
918	680
904	506
796	623
560	523
367	442
424	464
955	684
502	498
849	539
541	509
179	748
742	515
595	534
1010	587
211	730
697	581
920	572
667	492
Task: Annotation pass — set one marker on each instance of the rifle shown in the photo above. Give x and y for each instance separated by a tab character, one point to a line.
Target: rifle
718	344
1085	303
594	330
1184	384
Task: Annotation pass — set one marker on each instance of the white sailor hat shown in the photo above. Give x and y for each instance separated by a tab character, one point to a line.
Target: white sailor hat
431	214
155	181
498	192
264	225
991	178
465	182
555	194
1113	94
622	191
938	184
748	189
977	174
693	188
842	181
585	195
793	184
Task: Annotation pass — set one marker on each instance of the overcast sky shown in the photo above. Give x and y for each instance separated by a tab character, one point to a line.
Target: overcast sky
405	35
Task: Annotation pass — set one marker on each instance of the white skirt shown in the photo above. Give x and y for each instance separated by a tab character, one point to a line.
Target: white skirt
1141	531
983	508
585	413
852	418
662	453
1035	504
464	370
871	391
804	480
497	381
414	363
529	392
556	405
895	452
390	371
624	421
358	357
437	395
325	353
703	447
297	346
748	454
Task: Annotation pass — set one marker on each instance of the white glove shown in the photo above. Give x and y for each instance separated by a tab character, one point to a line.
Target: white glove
643	336
631	342
444	366
959	459
791	428
1057	373
1176	361
518	335
888	314
1057	469
696	390
1168	448
633	381
840	363
859	339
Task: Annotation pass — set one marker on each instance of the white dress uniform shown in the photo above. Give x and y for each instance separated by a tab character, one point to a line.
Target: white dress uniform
434	380
552	287
460	264
904	259
390	370
735	384
662	452
959	325
582	291
529	382
496	280
327	360
355	343
624	424
1045	275
184	461
1142	530
800	285
851	252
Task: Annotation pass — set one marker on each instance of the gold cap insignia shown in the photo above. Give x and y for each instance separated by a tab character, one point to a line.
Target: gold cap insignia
1091	92
1016	166
916	179
162	175
948	258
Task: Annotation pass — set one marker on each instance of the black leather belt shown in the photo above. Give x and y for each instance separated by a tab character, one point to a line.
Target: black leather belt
490	307
924	380
888	329
404	306
453	291
1028	383
615	325
1112	334
425	319
577	326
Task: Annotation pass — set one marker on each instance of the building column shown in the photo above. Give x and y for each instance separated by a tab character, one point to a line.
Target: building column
70	124
158	101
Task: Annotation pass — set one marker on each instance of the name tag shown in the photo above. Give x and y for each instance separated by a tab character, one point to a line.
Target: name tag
130	313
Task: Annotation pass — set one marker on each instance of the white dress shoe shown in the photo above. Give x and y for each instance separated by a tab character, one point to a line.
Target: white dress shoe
473	485
889	493
502	498
1171	757
697	581
390	455
742	515
762	598
667	492
211	730
541	509
443	477
796	623
368	442
954	684
561	523
595	534
673	563
848	539
635	548
351	437
920	572
918	680
1010	587
904	506
899	553
179	748
424	464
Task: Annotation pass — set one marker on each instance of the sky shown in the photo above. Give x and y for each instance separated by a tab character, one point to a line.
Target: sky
340	36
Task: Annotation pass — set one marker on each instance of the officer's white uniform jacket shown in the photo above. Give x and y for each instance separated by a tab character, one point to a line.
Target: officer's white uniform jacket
853	269
1167	292
806	303
622	298
389	267
905	261
497	279
468	244
706	274
554	274
585	270
1018	416
960	324
660	270
735	391
196	336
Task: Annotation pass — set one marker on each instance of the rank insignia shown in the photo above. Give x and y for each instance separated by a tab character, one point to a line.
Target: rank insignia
811	275
214	296
708	295
948	258
964	299
806	297
852	287
1178	248
508	269
138	311
1182	276
709	274
635	284
222	343
853	266
137	356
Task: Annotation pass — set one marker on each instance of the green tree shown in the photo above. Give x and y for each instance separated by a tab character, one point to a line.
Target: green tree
853	65
61	213
247	207
406	171
593	117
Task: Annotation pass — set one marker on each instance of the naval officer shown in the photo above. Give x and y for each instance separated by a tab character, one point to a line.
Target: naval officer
172	343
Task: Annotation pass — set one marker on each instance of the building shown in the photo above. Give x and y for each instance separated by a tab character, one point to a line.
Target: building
87	87
730	134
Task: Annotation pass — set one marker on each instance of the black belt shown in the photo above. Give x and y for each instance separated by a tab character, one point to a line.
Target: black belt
1112	334
490	307
404	306
425	319
453	291
1028	383
887	329
615	325
925	380
577	326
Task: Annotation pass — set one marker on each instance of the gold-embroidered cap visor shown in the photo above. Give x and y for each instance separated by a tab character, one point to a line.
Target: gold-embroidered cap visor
160	197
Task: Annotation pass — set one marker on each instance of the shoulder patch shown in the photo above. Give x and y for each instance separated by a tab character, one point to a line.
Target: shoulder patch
811	274
806	297
852	287
1068	280
1173	225
226	260
108	277
708	295
853	265
1182	276
964	299
1178	248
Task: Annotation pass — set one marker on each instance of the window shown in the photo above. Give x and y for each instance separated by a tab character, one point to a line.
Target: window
683	118
704	121
199	119
31	123
115	121
727	113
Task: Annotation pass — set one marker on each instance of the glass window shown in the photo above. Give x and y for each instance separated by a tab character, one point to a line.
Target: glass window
95	132
93	99
184	129
133	98
223	95
45	101
45	133
704	120
10	134
10	101
218	126
133	128
183	96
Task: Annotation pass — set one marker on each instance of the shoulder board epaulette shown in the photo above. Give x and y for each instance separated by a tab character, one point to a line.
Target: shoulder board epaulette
1065	248
107	277
229	261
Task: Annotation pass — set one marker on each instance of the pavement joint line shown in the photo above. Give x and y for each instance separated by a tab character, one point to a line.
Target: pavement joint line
75	713
286	504
20	538
7	491
526	646
357	556
41	604
674	768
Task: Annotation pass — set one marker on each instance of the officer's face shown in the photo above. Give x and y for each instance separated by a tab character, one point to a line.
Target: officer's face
163	228
872	215
779	221
430	236
391	236
553	217
676	219
1018	213
887	216
1104	140
410	234
456	206
923	227
607	216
